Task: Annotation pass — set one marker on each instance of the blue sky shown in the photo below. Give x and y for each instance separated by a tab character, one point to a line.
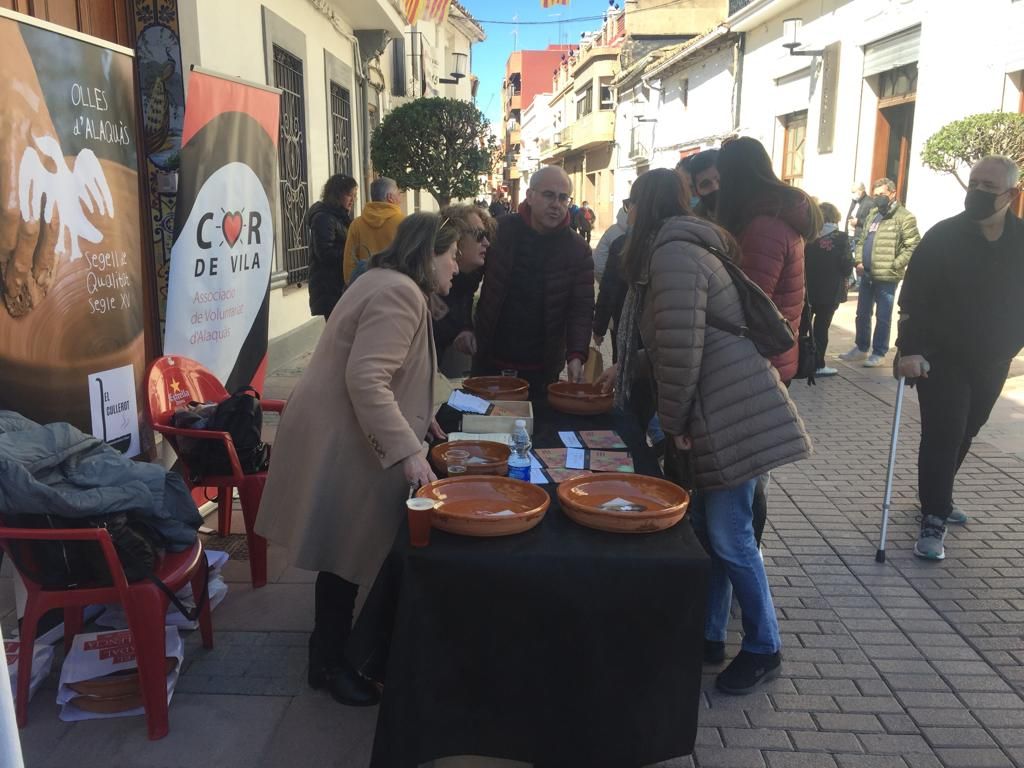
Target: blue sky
489	57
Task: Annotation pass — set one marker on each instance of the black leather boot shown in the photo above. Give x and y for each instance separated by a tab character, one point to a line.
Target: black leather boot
340	678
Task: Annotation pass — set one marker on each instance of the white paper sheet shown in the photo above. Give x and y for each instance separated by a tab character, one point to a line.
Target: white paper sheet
575	458
495	437
465	403
569	440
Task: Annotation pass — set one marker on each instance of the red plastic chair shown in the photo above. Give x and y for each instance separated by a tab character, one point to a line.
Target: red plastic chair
145	606
172	382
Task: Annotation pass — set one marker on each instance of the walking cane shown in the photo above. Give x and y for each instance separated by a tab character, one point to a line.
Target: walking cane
887	499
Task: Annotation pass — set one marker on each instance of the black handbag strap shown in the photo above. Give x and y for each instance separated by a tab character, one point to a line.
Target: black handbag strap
190	614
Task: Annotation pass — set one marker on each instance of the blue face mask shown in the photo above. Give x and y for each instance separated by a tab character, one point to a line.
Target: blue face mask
694	200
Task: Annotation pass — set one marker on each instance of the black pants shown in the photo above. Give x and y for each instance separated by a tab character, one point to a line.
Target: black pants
334	604
956	400
585	234
822	315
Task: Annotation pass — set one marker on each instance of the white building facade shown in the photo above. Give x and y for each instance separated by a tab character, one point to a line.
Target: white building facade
882	77
538	126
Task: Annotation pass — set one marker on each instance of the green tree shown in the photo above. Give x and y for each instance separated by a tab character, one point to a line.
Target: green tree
440	145
962	143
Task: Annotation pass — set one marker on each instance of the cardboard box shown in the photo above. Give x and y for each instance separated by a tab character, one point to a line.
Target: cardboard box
501	419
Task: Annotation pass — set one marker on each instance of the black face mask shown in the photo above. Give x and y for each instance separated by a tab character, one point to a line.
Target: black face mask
710	200
882	203
979	204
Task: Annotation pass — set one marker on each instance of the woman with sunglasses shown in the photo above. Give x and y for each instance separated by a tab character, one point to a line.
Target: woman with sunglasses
453	315
350	443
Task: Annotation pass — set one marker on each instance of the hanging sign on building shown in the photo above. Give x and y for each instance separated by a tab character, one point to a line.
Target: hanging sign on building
218	302
71	311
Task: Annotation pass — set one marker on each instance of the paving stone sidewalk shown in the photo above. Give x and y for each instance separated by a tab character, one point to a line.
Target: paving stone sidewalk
903	665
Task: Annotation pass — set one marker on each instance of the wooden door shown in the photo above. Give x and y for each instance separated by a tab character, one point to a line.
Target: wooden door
107	19
893	135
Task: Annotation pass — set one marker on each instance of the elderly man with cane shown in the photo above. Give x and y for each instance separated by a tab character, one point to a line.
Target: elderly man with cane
961	325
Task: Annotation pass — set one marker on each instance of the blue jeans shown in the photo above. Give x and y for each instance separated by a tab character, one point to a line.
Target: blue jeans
727	518
880	296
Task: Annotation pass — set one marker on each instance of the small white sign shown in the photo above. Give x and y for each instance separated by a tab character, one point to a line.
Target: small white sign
114	408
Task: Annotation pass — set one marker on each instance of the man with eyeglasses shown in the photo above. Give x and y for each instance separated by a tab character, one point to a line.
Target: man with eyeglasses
961	324
536	305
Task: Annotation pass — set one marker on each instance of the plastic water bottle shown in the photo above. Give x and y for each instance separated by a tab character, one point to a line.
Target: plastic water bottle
519	460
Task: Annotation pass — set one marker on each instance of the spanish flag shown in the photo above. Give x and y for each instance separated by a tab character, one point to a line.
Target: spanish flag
549	3
433	10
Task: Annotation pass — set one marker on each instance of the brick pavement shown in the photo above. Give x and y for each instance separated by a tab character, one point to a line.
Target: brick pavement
903	665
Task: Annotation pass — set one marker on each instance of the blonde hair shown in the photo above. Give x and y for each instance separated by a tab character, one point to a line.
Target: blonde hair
460	213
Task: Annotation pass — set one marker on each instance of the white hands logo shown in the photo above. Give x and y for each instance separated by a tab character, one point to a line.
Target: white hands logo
69	194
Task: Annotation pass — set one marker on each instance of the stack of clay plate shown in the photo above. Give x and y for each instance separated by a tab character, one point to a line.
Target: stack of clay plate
486	457
579	399
497	387
482	505
623	503
118	692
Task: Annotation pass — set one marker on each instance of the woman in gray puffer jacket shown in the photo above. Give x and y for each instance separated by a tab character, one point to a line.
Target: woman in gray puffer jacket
717	398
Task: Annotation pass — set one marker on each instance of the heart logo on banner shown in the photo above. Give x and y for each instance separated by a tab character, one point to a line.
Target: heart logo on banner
231	226
215	291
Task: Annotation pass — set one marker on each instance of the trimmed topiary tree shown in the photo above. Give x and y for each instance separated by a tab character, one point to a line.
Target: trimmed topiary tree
440	145
962	143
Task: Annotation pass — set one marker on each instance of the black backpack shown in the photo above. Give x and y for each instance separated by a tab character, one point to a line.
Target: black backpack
765	326
242	418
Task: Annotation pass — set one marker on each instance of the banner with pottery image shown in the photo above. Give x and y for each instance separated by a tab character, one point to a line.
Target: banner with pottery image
70	256
218	297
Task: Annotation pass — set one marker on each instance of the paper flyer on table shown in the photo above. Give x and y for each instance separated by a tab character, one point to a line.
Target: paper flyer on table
466	403
594	439
570	440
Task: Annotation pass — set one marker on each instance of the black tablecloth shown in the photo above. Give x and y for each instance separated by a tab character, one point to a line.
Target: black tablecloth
562	646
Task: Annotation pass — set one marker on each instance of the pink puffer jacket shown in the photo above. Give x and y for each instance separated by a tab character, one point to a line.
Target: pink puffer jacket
773	257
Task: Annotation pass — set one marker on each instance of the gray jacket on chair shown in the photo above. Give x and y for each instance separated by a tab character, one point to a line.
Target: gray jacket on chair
57	470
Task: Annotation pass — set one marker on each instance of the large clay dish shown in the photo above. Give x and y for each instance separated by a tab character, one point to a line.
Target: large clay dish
109	705
466	505
664	503
119	684
497	387
579	399
494	455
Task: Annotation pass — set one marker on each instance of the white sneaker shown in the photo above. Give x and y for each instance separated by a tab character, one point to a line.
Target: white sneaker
826	371
874	361
853	354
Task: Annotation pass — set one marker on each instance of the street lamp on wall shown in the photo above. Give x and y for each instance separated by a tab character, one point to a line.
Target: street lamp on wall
791	38
458	69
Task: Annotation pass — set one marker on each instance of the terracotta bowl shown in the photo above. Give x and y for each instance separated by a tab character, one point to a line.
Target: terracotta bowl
579	399
652	505
485	457
470	505
497	387
109	705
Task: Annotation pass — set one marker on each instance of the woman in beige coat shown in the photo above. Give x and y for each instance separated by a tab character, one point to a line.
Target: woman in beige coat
717	398
350	442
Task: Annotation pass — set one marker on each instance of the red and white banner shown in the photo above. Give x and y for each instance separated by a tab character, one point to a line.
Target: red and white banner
218	295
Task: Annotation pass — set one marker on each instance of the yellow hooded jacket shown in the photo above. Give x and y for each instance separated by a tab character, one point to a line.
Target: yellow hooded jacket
370	233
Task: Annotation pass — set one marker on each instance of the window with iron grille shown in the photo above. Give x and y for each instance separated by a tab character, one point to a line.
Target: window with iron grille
341	129
288	76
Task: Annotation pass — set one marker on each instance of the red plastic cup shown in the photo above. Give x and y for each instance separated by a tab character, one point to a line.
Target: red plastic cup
421	512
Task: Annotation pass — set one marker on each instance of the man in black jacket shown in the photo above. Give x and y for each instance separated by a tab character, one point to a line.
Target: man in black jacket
961	324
